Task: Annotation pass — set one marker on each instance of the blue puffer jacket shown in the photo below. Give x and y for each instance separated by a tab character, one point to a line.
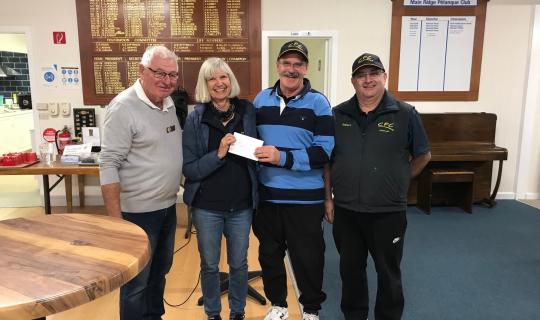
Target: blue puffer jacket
199	163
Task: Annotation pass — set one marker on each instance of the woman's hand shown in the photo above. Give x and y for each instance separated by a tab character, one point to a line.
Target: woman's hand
224	145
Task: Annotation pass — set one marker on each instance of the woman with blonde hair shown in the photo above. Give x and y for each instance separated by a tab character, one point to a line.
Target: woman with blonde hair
220	187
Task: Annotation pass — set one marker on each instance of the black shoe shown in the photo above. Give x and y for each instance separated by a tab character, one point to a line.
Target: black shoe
218	317
238	316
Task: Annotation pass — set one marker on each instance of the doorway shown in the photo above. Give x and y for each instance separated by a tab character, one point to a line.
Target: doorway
322	51
16	123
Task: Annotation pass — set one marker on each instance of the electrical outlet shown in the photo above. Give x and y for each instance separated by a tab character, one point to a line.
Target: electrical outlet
65	108
53	108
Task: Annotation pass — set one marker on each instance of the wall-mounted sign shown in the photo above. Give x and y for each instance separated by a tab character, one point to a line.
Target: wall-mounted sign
440	3
114	34
49	134
436	53
70	77
49	75
59	37
436	50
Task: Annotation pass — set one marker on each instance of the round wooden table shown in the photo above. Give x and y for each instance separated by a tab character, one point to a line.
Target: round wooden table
53	263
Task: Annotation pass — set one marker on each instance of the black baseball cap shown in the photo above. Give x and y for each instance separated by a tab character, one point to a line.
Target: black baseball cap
367	59
294	46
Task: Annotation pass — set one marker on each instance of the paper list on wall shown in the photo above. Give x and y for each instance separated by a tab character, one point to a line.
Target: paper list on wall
436	53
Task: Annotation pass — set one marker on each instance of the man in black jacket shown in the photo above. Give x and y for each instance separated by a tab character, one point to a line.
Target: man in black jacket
380	144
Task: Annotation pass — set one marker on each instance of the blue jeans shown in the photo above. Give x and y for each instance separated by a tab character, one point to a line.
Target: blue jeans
142	297
236	227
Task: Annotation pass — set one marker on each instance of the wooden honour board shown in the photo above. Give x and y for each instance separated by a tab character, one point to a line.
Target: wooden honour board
113	35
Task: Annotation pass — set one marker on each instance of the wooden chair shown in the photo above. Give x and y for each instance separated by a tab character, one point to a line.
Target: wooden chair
456	176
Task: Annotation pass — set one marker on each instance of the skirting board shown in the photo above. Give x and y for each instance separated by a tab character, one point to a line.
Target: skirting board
97	200
530	196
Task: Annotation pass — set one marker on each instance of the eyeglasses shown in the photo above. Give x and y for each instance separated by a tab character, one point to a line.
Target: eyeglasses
296	65
161	75
364	75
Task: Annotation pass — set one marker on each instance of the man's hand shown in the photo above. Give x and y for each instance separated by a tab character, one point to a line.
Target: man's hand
268	154
329	210
224	145
111	197
328	200
419	163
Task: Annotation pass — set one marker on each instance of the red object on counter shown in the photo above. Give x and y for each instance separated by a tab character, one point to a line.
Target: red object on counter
30	157
14	157
17	158
8	161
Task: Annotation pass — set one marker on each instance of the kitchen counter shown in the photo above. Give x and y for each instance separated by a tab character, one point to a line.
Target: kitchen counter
15	130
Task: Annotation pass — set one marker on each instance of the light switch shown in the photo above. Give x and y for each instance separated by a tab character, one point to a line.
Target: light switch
65	108
42	106
53	108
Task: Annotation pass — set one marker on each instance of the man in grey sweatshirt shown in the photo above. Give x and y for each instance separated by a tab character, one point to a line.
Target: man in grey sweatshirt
140	169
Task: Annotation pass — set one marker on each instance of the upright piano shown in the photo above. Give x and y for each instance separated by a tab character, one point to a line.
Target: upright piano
463	141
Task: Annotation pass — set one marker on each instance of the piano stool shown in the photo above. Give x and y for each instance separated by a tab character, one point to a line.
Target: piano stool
429	177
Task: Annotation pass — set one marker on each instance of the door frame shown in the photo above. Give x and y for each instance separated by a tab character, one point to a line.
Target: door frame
35	115
332	54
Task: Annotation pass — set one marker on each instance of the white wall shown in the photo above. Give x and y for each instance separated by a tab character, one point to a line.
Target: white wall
362	25
528	177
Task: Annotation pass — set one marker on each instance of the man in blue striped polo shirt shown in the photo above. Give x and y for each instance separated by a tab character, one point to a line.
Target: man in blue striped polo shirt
296	125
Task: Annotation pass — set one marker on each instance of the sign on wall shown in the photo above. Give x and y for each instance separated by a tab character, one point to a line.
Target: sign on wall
436	53
440	3
436	50
113	35
59	37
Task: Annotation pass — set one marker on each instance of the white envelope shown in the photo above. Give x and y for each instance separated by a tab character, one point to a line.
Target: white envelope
245	146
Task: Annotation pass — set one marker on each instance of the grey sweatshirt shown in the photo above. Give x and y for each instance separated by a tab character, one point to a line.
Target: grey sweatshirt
142	150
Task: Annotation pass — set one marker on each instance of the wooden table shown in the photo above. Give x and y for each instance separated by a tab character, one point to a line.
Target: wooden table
64	170
52	263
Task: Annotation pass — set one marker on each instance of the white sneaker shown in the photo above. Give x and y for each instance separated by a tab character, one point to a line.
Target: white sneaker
277	313
309	316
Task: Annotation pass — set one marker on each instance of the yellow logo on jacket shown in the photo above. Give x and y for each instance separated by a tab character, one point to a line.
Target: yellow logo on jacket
385	126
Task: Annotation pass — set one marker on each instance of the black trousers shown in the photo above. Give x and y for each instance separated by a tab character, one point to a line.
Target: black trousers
381	235
298	229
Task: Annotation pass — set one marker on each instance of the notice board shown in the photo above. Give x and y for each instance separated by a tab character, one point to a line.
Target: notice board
436	49
113	35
